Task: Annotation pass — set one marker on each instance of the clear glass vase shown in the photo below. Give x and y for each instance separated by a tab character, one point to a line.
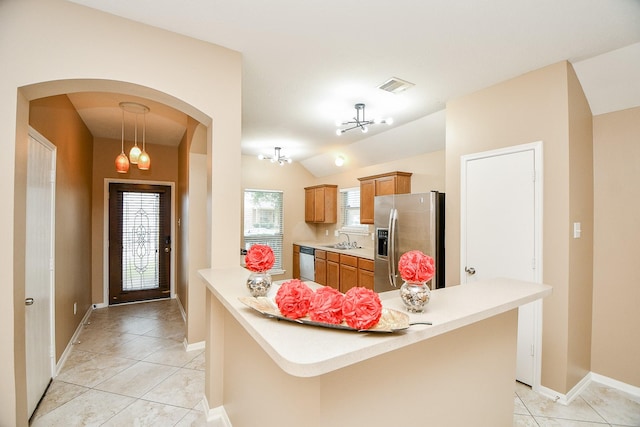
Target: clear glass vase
259	283
415	296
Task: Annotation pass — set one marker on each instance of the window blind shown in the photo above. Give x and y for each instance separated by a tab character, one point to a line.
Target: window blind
263	221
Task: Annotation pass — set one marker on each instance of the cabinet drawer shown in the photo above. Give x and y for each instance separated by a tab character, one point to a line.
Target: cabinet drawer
348	260
333	256
365	264
321	254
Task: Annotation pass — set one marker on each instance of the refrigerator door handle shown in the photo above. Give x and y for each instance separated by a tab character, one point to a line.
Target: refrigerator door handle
391	259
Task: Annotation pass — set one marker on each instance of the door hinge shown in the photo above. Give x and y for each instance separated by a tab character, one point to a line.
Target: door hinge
533	263
532	350
51	264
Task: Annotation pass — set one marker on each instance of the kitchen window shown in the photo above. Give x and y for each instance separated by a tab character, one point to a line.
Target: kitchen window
350	211
263	222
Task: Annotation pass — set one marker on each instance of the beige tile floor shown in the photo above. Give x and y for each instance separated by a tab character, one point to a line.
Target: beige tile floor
130	368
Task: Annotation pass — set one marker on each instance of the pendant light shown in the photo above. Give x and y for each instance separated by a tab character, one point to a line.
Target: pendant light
144	161
122	162
136	156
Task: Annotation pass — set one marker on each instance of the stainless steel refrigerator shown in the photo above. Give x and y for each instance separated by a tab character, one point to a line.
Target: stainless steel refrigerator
406	222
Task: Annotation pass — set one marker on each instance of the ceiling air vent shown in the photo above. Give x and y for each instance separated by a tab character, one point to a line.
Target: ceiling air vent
395	85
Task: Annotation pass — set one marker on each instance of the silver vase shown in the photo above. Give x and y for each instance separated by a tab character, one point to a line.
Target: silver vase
259	283
415	296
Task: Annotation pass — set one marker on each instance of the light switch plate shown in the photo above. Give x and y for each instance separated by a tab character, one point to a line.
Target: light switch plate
577	232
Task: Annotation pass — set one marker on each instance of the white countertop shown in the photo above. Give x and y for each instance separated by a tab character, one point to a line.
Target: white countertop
308	351
360	252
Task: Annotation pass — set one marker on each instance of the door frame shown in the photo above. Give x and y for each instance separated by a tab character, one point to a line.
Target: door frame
105	236
41	139
536	147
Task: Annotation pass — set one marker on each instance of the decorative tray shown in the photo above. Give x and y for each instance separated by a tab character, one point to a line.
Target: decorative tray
390	321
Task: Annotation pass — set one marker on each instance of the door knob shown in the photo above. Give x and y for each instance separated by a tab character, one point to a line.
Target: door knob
28	301
470	270
167	250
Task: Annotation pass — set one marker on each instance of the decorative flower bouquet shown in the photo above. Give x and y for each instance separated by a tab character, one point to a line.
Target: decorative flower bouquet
360	308
416	267
259	258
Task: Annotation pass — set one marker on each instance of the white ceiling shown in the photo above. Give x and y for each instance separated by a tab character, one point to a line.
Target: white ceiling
305	64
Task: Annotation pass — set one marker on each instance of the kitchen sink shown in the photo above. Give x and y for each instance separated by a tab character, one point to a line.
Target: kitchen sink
341	246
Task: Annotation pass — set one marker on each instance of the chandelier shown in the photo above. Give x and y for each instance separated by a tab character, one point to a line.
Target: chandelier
136	155
359	121
277	157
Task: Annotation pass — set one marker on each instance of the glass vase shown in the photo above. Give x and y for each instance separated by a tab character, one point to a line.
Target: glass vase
259	283
415	296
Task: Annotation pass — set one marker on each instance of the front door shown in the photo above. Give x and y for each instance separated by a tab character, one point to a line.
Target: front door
501	231
139	242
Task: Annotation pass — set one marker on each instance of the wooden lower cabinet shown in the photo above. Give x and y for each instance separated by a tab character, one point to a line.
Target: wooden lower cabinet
296	261
333	270
348	272
321	268
365	273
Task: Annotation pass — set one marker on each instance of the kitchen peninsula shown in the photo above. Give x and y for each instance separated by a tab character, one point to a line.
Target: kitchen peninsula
459	371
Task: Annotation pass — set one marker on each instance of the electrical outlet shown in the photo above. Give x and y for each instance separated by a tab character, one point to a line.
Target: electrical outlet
75	308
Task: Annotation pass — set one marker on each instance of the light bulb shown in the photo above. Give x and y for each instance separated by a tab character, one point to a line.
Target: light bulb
389	121
365	129
134	154
339	161
339	132
261	156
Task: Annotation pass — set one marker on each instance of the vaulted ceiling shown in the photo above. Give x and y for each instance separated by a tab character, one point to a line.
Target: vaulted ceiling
305	64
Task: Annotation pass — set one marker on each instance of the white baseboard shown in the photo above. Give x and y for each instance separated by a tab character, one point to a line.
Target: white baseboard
566	399
70	344
182	311
200	345
100	305
618	385
216	417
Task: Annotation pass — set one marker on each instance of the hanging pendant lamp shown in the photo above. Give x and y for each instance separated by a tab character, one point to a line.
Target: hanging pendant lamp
144	161
122	162
136	156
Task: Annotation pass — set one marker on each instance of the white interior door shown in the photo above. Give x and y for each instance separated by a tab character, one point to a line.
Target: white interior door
39	268
501	233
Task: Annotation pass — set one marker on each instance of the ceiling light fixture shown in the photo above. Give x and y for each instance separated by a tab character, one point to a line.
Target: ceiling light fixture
339	161
360	121
277	157
136	156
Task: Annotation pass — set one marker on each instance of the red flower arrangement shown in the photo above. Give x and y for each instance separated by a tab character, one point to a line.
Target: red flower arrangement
326	306
361	308
294	298
416	267
259	258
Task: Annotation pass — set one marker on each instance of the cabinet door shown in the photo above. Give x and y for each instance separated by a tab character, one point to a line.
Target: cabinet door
367	193
333	274
386	186
365	279
321	272
348	277
296	261
309	205
318	204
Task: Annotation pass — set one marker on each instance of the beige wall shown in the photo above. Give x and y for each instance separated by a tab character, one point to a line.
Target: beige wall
616	318
43	55
428	174
164	168
580	250
57	120
291	180
535	107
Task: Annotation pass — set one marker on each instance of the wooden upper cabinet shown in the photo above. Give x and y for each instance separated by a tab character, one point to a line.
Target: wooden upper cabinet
381	185
321	204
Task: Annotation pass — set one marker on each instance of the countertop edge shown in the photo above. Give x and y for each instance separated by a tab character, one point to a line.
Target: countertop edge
233	287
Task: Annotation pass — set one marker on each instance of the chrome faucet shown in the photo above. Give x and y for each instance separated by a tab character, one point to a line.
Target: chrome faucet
348	239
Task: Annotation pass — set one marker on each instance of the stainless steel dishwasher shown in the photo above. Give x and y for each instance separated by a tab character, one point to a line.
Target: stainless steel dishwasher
307	263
